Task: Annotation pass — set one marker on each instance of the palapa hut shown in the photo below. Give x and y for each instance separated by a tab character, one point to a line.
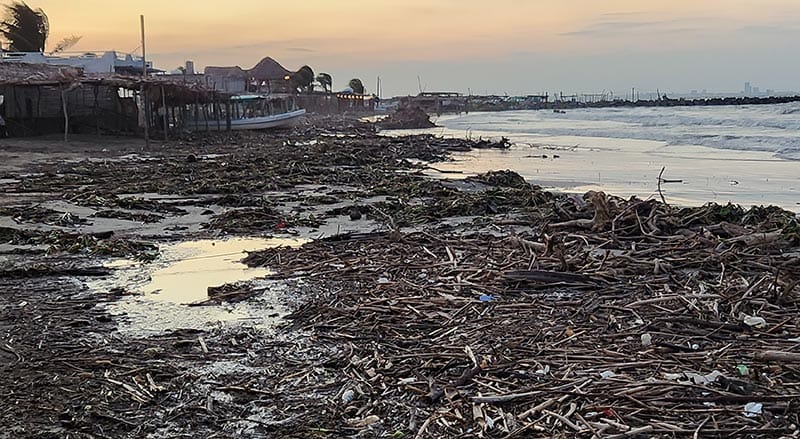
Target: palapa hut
44	99
268	76
227	79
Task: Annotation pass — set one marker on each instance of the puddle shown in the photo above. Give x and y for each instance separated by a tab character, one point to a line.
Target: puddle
182	275
197	265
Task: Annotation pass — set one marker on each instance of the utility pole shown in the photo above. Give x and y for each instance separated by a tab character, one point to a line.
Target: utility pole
143	91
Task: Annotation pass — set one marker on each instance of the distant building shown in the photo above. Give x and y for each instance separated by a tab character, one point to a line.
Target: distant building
91	63
437	102
747	88
268	76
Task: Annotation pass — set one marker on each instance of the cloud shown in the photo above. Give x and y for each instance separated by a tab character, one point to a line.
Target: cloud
623	14
772	28
620	26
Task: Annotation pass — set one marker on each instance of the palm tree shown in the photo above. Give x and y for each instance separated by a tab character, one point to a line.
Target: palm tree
356	85
303	79
326	81
24	29
65	44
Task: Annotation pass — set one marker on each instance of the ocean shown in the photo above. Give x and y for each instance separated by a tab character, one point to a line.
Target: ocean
747	155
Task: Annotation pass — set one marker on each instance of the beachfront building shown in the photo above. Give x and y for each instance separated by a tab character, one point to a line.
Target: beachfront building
437	102
266	77
37	99
348	101
90	63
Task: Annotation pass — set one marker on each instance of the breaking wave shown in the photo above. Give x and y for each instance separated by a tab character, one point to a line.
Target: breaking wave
773	128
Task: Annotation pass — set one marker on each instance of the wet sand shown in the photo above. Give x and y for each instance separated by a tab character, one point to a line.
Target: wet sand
631	167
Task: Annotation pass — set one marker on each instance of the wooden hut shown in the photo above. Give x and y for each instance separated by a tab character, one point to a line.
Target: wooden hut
42	99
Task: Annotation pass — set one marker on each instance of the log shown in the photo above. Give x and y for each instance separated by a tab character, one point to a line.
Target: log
778	356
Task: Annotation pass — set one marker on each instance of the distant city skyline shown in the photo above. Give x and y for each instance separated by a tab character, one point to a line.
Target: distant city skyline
510	47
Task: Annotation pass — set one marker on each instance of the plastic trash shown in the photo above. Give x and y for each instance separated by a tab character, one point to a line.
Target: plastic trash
607	374
742	369
486	298
694	378
647	339
755	322
348	396
753	409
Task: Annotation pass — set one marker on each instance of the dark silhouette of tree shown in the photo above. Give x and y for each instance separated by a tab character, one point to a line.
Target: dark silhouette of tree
356	85
24	29
326	81
303	79
65	44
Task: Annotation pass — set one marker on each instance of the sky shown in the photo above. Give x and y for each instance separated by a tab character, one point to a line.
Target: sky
479	46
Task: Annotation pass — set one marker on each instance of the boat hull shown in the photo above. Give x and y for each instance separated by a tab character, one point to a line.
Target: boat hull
253	123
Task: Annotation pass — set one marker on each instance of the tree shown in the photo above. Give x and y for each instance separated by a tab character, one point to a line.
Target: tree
326	81
24	29
303	79
65	44
357	86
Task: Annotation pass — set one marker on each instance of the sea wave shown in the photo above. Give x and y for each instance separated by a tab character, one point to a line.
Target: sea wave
772	128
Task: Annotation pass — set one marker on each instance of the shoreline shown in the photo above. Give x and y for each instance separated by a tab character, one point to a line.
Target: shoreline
630	167
418	301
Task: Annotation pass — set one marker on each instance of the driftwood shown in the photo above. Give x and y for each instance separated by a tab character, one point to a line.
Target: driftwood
778	356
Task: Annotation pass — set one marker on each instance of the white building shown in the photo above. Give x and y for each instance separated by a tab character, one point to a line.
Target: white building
91	63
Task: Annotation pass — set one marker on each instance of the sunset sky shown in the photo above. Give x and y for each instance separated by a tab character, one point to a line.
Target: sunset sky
498	46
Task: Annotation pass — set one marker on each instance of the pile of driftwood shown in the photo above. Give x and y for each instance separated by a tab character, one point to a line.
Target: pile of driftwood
406	118
629	319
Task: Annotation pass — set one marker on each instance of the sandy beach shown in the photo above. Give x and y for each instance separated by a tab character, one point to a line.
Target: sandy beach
319	283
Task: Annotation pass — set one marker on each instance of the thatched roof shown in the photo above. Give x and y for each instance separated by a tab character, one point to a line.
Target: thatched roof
19	74
225	72
22	73
268	69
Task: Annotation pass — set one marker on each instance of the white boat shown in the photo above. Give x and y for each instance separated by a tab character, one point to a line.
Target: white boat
250	112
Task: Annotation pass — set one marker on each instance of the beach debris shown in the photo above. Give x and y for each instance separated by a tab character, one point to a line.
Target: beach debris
743	370
388	313
364	422
647	339
355	213
694	378
779	356
408	117
504	178
755	322
753	409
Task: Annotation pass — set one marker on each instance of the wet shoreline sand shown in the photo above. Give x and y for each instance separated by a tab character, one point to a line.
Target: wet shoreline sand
624	167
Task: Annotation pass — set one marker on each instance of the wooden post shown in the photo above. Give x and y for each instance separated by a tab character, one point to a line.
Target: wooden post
166	123
228	115
196	111
95	108
144	91
66	113
217	115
